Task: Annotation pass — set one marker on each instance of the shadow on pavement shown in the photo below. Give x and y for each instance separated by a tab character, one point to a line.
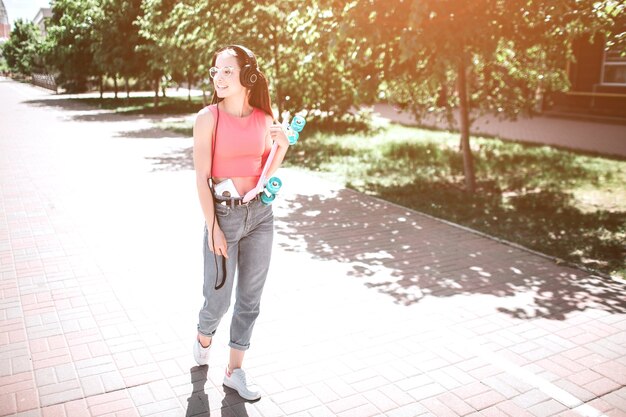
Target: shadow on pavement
103	115
234	403
60	103
150	133
545	220
410	257
176	160
95	114
198	401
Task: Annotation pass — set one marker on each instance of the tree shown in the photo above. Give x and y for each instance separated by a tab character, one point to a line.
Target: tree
155	47
116	40
294	44
21	50
70	42
615	11
485	56
4	67
190	36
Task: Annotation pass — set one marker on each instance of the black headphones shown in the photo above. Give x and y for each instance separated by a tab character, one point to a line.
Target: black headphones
249	73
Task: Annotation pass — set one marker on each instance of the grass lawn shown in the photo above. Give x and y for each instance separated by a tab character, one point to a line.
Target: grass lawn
565	204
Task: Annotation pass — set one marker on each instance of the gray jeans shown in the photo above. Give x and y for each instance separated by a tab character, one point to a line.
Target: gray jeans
249	231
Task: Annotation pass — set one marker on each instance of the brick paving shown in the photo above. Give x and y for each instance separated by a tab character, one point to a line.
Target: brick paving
370	310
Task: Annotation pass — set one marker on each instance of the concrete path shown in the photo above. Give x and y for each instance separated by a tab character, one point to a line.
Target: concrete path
589	136
370	309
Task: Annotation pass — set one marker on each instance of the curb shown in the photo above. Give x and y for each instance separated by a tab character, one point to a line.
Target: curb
554	259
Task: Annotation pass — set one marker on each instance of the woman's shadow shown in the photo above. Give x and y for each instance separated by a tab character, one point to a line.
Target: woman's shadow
198	401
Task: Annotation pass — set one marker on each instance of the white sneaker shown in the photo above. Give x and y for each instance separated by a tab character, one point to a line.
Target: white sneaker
200	353
238	381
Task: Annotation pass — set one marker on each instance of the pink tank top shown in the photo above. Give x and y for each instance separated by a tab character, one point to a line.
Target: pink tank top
240	148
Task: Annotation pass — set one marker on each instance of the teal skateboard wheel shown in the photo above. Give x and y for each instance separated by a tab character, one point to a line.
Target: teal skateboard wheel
267	199
294	129
292	136
297	123
273	185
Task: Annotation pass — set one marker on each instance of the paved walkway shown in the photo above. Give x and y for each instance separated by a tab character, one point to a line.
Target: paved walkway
370	310
589	136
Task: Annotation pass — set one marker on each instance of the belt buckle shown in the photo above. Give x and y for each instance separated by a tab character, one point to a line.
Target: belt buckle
232	202
227	203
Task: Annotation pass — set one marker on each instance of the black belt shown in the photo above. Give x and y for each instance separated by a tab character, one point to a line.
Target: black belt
232	202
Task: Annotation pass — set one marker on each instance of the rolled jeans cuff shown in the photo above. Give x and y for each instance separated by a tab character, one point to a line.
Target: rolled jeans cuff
211	334
238	346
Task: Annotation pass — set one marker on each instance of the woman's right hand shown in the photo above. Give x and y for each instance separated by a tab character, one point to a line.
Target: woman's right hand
218	242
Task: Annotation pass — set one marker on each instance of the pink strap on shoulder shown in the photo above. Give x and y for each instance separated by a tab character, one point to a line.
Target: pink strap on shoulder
262	180
213	110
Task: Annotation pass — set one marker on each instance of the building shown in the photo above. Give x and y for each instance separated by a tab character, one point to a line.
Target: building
41	20
5	28
598	81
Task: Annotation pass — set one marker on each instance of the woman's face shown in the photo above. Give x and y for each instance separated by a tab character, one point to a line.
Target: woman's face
226	81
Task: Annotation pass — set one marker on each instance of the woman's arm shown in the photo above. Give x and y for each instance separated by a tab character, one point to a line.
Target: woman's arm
202	154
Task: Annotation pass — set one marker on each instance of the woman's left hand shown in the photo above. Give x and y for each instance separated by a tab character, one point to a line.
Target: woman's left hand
279	136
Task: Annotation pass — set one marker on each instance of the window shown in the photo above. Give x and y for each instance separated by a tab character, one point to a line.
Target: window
614	68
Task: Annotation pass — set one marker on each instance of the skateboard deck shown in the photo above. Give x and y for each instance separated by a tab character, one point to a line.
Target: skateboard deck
263	178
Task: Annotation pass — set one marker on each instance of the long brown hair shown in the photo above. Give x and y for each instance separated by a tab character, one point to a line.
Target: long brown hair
259	95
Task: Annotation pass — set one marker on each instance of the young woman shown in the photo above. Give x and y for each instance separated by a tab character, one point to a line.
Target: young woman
232	139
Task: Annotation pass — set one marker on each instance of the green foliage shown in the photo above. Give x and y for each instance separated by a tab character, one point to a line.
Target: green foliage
616	35
4	67
70	42
329	57
511	49
152	28
22	48
294	45
116	38
291	44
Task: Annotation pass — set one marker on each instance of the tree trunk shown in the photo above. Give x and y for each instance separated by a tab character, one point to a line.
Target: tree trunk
468	163
115	84
205	100
156	91
101	87
539	100
189	81
127	87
